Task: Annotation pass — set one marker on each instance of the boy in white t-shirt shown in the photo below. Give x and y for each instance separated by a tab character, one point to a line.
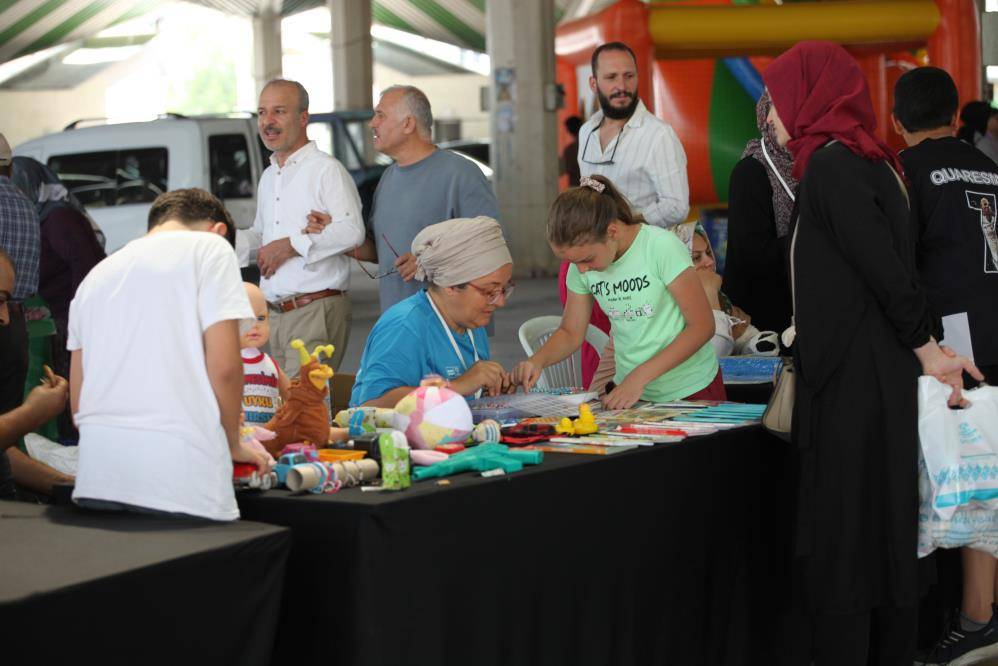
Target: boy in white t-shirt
156	378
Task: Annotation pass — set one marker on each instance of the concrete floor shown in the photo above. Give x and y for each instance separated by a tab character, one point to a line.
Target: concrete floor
533	297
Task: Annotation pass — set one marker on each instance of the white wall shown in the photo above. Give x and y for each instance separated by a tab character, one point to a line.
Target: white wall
34	113
145	85
38	112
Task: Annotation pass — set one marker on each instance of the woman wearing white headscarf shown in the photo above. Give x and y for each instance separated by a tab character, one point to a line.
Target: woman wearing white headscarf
440	330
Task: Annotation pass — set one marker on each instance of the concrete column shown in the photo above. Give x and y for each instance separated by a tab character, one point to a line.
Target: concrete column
267	54
353	65
520	38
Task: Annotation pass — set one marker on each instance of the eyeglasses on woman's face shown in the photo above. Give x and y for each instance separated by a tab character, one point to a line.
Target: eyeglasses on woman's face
493	296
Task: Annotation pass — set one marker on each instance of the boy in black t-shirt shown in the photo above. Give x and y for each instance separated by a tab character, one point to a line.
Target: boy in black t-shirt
954	197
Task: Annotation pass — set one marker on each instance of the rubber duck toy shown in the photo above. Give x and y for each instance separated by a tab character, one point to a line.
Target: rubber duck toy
586	423
565	427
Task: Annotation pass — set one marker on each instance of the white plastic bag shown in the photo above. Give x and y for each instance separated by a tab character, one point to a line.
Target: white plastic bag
960	446
958	469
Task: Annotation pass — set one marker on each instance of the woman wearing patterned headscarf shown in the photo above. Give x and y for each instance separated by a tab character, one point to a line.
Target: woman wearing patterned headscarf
760	203
863	336
70	245
70	248
441	330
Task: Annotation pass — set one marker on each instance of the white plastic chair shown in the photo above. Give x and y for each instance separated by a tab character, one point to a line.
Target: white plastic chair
535	332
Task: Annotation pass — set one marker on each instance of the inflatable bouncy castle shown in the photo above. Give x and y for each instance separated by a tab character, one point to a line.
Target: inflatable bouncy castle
699	62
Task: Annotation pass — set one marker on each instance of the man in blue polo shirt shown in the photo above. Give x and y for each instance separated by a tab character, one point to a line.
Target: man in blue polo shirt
440	330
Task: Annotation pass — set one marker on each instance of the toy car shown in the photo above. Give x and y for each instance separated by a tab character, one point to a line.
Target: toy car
285	463
245	475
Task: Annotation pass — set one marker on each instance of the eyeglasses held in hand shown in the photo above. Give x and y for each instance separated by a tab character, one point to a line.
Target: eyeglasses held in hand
380	275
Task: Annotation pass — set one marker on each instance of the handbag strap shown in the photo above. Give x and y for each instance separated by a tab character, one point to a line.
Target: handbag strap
790	333
769	160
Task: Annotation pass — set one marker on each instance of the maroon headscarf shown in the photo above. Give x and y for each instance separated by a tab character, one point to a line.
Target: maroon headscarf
821	94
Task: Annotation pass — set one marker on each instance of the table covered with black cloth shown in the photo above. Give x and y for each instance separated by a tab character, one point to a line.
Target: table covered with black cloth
665	555
82	587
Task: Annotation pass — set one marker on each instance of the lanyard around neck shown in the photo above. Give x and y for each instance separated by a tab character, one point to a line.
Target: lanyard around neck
453	341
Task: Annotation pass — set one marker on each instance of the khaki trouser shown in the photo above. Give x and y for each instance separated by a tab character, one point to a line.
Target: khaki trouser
325	321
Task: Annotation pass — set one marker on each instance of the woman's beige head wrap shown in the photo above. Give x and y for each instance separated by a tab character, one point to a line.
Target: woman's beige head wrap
458	251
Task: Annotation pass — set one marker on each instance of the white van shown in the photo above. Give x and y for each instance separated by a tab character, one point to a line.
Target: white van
117	170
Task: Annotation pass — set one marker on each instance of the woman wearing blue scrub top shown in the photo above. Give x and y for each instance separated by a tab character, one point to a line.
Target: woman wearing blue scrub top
441	330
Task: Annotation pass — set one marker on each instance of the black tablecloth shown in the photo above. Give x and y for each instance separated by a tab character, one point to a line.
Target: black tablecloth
92	588
664	555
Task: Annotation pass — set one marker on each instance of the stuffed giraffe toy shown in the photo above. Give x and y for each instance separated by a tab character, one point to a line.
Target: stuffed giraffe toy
304	416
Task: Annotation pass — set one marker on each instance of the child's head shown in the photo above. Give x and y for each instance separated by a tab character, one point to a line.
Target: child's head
260	333
925	99
585	222
194	208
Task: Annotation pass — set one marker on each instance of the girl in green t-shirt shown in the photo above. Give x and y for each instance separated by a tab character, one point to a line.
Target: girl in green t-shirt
643	279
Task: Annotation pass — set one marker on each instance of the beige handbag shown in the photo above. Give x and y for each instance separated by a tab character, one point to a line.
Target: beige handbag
779	414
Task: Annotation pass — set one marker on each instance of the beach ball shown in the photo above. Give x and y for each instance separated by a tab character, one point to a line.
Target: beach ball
437	415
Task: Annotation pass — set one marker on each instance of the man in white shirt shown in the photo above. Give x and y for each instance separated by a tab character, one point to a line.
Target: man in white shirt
156	379
623	141
304	276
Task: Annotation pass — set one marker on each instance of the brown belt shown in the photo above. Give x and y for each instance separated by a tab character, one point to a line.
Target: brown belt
301	301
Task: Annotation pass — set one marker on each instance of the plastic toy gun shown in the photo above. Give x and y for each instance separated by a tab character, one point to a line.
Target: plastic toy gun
481	458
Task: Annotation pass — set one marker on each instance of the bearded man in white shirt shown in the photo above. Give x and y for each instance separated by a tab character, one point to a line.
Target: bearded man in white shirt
304	276
623	141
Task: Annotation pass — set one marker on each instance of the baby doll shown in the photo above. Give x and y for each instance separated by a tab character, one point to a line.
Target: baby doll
265	382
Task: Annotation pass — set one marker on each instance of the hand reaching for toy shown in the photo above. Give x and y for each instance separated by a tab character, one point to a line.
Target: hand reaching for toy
245	453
